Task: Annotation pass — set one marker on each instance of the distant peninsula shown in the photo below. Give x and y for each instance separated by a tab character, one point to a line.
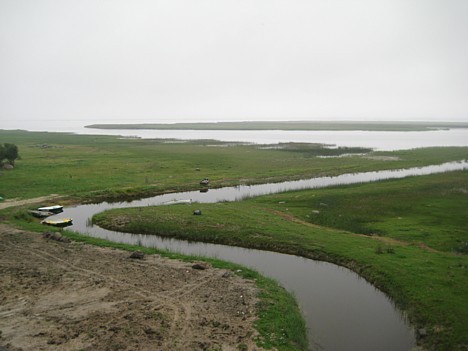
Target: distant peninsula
291	125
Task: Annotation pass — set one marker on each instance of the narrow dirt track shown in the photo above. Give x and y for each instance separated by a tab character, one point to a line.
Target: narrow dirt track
36	200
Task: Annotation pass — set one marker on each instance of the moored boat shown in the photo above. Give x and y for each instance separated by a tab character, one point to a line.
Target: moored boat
63	222
41	214
53	209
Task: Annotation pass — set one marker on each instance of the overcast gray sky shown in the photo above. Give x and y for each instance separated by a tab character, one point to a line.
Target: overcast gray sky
213	60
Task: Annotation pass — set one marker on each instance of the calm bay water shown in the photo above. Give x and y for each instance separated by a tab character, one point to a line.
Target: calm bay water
342	310
385	141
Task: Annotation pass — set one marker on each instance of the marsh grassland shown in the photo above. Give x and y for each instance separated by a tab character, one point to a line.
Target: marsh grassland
90	168
408	237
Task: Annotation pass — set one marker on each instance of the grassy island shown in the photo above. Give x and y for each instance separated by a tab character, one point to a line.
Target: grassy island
292	125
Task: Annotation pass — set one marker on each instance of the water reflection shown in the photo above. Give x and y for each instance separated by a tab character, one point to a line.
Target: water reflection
342	311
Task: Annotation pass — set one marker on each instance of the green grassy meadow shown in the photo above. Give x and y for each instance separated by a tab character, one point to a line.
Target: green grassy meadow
89	168
408	236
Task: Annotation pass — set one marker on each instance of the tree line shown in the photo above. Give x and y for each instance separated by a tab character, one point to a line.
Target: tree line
8	152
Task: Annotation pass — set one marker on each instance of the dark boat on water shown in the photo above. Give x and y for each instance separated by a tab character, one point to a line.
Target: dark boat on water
41	214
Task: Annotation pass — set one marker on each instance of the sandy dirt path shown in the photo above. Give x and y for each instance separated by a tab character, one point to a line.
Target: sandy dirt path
70	296
15	202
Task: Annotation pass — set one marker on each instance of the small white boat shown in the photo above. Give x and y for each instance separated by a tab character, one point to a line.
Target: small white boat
53	209
63	222
174	202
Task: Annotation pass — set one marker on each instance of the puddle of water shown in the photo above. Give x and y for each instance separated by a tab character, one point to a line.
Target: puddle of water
342	310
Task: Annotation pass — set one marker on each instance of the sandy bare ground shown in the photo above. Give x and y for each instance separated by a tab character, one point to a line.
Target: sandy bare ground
70	296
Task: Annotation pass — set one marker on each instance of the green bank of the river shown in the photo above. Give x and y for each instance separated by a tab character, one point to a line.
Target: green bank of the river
416	253
280	323
89	167
291	125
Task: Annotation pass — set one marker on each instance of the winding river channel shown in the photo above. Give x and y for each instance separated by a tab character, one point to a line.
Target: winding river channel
342	310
